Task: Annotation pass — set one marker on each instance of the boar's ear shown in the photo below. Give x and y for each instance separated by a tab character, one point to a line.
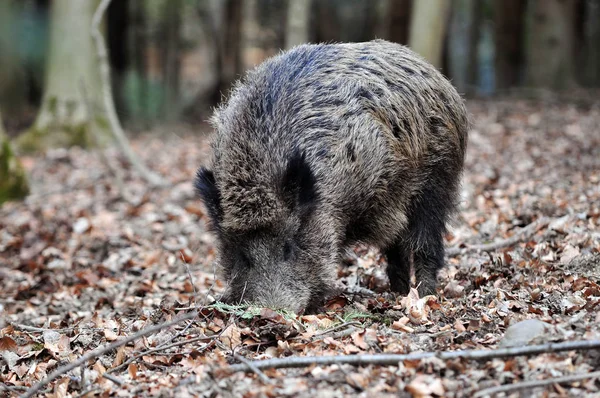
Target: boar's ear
209	193
298	182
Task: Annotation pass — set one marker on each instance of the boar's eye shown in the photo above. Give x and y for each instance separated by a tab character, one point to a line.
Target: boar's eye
243	260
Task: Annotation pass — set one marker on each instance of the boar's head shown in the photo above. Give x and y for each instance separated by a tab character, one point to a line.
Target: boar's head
286	262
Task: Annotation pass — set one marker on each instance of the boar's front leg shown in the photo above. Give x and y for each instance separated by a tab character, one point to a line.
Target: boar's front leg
398	269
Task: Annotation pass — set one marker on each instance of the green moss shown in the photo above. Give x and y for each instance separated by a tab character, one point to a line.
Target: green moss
13	181
36	139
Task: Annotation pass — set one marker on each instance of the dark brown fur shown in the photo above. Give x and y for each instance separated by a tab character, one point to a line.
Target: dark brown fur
327	145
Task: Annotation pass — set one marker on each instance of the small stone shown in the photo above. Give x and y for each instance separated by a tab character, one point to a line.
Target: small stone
521	333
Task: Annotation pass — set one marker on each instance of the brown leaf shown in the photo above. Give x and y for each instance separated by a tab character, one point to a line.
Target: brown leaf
120	357
111	330
358	338
453	290
267	313
231	336
132	370
7	344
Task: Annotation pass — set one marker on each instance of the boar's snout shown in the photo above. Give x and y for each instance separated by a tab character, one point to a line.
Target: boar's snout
269	292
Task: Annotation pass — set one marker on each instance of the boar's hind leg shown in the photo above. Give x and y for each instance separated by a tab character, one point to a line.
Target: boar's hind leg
427	224
398	269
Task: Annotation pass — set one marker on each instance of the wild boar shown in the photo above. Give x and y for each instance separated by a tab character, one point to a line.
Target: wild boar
323	146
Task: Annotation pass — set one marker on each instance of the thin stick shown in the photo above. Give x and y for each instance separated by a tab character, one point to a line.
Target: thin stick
112	378
338	327
109	105
394	359
33	329
536	383
265	379
520	236
161	348
102	350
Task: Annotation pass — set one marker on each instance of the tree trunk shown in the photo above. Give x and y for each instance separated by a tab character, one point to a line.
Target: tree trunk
171	50
298	21
550	45
13	182
400	12
592	43
508	37
231	62
428	29
72	74
463	41
253	51
13	93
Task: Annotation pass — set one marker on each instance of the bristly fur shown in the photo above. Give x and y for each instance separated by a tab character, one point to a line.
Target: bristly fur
368	136
204	183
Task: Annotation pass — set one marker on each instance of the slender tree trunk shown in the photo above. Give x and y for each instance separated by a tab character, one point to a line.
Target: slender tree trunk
298	21
550	45
327	26
592	43
463	41
381	19
171	49
71	73
252	46
400	12
428	29
13	94
13	182
231	62
508	37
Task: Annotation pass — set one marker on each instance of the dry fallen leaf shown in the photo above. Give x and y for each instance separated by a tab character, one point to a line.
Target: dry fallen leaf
231	336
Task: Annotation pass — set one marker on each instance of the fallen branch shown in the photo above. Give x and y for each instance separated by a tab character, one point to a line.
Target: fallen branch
520	236
536	383
394	359
112	378
160	348
109	105
33	329
265	379
102	350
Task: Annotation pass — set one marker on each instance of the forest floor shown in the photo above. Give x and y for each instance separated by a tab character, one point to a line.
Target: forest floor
95	255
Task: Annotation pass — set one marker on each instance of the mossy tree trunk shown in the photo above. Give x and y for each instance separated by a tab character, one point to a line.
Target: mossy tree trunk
13	183
69	114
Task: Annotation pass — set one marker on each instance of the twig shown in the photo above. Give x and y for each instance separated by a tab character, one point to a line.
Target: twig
102	350
109	105
338	327
116	171
88	391
393	359
535	383
161	348
520	236
4	387
265	379
112	378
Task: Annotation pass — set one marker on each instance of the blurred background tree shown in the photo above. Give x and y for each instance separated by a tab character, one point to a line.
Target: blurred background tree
173	60
13	182
72	82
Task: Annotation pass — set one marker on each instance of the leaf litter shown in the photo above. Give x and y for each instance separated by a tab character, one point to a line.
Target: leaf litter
86	262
